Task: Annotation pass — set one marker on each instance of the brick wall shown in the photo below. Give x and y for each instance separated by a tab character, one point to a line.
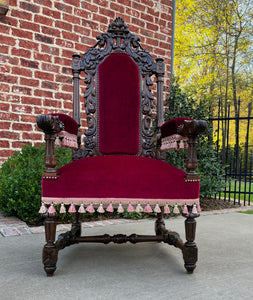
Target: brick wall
37	40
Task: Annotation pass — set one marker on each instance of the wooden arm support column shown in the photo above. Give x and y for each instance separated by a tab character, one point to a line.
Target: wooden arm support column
50	125
191	129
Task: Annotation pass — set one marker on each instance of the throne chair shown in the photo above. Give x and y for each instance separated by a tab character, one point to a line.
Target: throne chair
121	164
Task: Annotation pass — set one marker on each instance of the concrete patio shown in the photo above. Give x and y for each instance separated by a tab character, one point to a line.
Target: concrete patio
142	271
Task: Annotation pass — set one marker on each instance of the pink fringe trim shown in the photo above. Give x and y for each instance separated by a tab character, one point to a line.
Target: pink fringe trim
130	208
100	209
175	142
110	208
90	209
120	209
148	209
72	208
51	209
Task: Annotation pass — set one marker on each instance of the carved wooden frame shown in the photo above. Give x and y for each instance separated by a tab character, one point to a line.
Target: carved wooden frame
118	38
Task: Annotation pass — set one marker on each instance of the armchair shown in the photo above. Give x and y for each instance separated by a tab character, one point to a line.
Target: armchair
121	164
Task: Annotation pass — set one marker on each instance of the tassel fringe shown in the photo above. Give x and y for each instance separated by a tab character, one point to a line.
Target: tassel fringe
148	209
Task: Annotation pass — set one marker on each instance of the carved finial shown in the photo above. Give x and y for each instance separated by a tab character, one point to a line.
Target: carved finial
118	27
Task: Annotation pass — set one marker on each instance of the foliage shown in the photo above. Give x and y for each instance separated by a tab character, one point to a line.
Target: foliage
20	181
209	167
213	51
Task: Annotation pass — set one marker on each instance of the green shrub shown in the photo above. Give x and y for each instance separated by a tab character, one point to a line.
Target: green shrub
20	181
209	167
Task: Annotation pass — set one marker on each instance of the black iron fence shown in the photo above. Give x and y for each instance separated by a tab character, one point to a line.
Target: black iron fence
233	136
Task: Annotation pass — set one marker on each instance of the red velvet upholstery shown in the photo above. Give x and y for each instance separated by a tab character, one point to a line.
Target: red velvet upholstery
120	179
170	127
70	124
119	105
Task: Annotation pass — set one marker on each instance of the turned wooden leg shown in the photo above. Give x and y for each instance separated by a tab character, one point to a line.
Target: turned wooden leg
190	250
159	224
76	226
50	252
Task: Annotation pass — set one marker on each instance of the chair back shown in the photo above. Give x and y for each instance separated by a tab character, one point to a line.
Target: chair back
118	99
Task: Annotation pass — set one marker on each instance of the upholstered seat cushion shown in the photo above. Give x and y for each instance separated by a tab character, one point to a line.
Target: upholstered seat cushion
119	179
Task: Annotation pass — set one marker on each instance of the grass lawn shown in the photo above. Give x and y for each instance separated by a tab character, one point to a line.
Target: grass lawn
234	186
249	212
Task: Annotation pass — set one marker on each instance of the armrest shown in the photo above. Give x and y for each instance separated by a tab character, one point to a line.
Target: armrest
191	129
69	135
170	138
60	130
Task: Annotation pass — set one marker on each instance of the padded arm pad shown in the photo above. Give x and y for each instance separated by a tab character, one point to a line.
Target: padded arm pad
171	127
70	124
170	139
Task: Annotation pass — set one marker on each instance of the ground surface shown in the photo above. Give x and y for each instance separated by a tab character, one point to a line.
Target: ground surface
214	204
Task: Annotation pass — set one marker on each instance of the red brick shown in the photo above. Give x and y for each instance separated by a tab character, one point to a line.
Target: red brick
64	79
29	25
21	14
6	153
22	127
103	3
49	85
125	2
4	29
67	88
68	105
63	96
75	3
28	118
63	61
51	13
52	103
42	93
63	25
44	2
19	145
9	135
81	47
100	19
22	108
51	31
7	40
64	43
29	63
32	136
43	20
21	52
28	45
30	7
44	57
50	68
4	49
107	12
70	36
29	82
5	125
13	2
13	98
147	17
66	70
71	19
63	7
90	24
67	53
4	87
21	90
44	38
89	7
133	12
31	100
8	78
5	69
22	71
22	33
118	8
83	13
4	144
50	49
4	106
